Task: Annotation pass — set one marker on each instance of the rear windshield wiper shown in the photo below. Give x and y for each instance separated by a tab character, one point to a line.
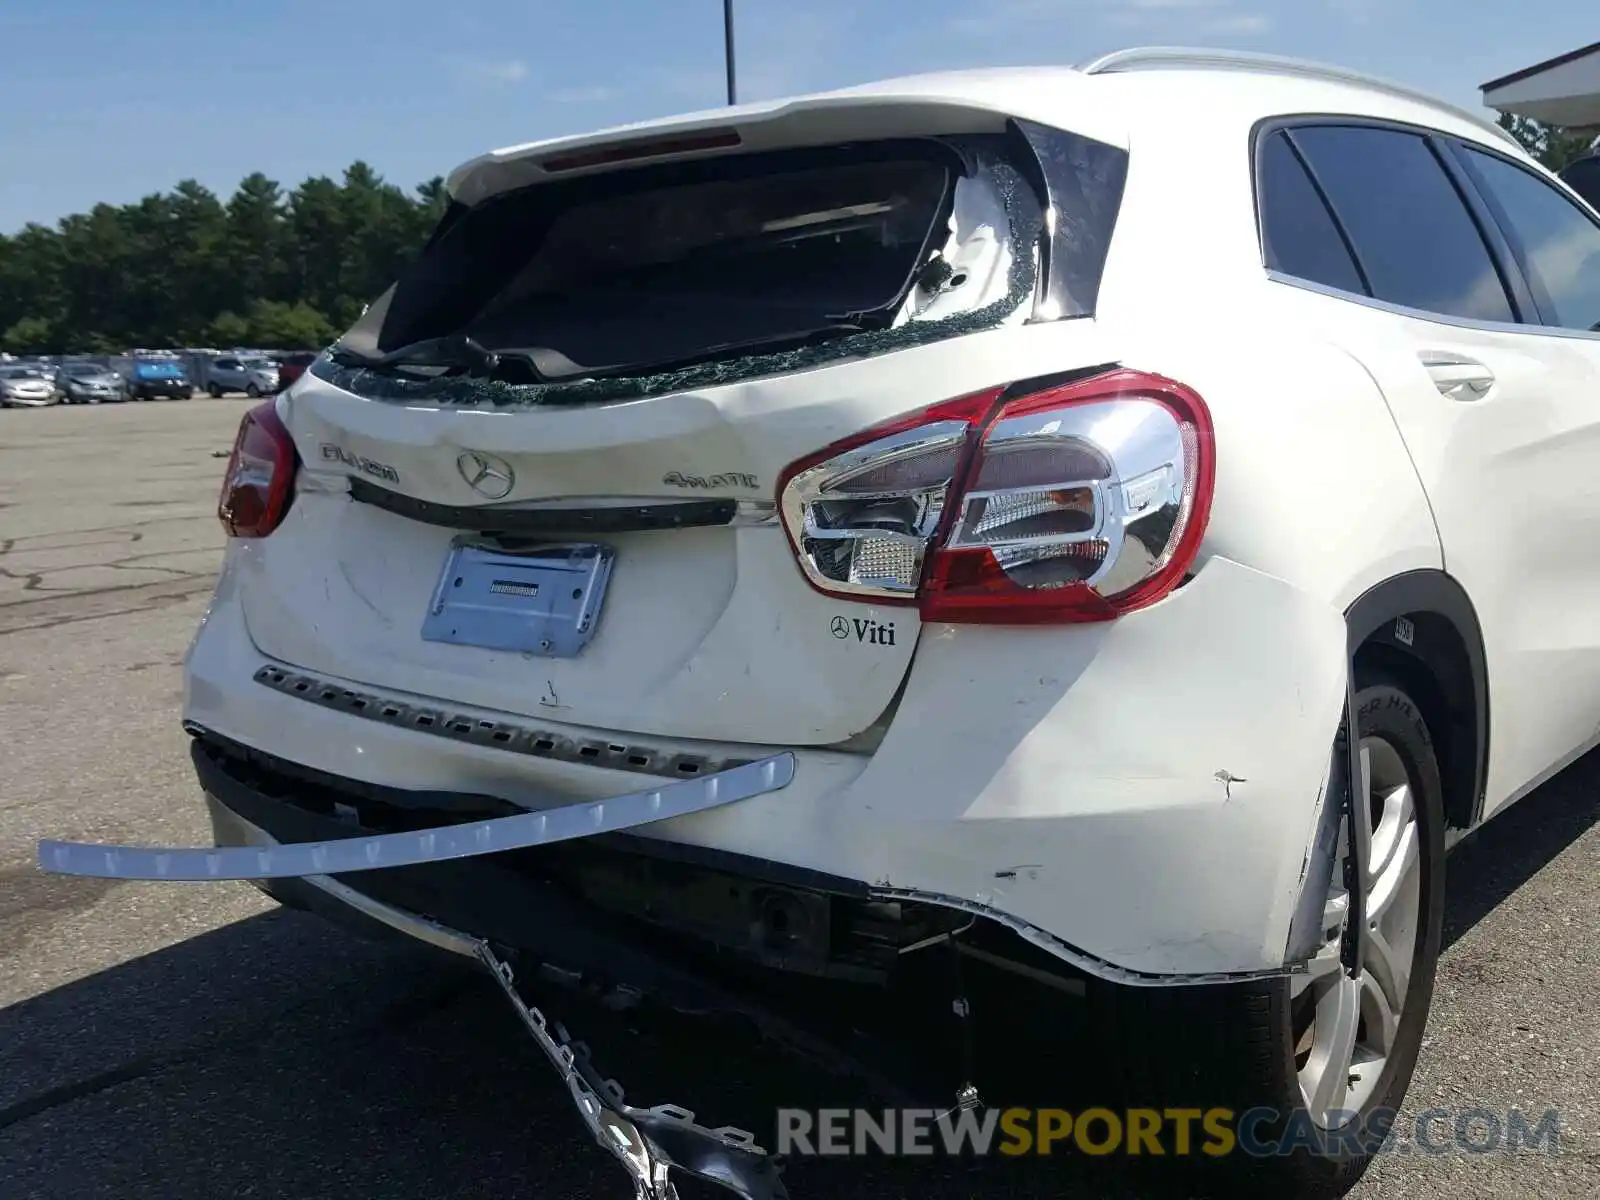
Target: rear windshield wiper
460	352
454	351
551	366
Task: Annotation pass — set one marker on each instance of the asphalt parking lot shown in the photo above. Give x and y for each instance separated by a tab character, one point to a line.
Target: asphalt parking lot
185	1041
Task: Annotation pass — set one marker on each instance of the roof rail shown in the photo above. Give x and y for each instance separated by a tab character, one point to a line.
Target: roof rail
1155	58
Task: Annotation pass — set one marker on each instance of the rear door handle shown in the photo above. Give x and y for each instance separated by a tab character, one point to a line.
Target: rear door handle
1458	378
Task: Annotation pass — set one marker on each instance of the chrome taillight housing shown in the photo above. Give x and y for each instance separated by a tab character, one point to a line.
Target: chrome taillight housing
1068	503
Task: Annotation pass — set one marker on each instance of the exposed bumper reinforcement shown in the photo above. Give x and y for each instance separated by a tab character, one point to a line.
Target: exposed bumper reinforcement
647	1141
541	828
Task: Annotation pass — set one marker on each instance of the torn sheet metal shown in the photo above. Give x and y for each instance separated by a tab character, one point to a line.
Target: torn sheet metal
649	1142
338	857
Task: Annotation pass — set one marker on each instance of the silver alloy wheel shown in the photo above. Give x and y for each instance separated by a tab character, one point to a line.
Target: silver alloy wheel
1347	1025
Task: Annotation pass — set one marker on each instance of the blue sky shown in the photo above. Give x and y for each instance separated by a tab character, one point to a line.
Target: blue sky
113	99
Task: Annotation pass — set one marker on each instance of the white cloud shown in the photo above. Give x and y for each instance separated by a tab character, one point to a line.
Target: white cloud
597	94
1005	18
793	53
492	71
1243	24
1360	12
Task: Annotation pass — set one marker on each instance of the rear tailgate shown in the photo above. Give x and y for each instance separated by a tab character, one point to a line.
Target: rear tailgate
410	559
709	632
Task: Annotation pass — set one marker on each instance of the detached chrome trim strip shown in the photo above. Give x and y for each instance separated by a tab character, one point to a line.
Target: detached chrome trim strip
398	919
411	848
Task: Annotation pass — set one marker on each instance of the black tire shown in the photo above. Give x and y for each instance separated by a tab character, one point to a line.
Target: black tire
252	391
214	391
1233	1045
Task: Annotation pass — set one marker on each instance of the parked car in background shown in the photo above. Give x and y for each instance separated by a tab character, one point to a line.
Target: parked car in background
159	379
292	366
25	387
252	376
89	383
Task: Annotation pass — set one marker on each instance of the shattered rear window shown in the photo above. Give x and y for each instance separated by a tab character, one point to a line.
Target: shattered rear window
661	274
880	249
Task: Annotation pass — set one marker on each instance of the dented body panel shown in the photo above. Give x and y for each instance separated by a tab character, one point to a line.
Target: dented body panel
1110	787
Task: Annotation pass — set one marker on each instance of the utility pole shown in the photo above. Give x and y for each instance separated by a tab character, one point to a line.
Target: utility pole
727	48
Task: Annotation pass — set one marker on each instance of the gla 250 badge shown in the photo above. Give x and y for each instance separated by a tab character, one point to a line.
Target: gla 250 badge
367	466
869	633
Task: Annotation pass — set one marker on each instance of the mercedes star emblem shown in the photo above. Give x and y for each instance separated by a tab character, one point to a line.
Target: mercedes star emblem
485	474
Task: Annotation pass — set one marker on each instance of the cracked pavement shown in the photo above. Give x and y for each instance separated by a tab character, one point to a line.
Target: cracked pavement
186	1041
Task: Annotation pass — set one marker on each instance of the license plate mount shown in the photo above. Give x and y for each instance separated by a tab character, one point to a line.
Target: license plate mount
541	600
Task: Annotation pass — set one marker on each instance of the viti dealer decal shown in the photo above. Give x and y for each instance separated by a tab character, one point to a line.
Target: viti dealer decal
862	630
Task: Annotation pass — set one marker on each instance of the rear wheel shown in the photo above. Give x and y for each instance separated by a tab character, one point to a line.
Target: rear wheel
214	391
1323	1058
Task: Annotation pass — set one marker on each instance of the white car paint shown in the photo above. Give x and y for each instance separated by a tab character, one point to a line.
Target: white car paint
1140	795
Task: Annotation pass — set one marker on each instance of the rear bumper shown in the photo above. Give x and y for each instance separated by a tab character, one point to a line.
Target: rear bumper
1138	798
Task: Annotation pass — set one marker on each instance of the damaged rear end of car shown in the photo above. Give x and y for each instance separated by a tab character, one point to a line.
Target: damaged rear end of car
734	562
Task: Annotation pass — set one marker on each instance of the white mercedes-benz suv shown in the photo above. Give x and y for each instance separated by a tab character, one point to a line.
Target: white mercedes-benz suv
1115	526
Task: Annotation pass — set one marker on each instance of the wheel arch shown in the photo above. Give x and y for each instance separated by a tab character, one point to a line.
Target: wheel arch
1421	627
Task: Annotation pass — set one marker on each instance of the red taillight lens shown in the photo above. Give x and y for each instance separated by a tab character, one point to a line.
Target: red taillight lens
1074	503
862	514
259	482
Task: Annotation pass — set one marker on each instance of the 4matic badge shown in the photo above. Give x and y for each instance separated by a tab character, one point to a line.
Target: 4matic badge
870	633
727	479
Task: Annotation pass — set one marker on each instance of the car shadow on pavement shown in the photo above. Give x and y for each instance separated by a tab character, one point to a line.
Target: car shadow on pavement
1504	854
280	1057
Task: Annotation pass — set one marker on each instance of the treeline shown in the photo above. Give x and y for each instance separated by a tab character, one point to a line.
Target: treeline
1553	146
262	268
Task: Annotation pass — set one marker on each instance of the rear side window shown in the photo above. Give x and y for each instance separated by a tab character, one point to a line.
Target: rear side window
1298	235
1558	243
1411	230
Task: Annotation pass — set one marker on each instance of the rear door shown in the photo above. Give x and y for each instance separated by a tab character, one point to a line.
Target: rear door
1499	409
670	344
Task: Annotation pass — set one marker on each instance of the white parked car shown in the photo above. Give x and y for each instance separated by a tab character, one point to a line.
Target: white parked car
993	514
254	376
25	387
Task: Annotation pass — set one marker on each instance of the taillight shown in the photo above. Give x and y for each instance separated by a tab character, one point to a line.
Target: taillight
257	487
1074	503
